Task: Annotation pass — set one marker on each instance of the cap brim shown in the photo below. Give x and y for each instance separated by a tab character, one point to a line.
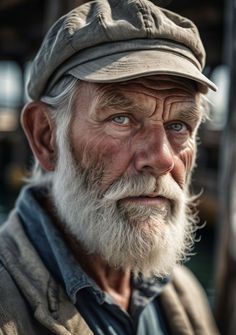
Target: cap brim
130	65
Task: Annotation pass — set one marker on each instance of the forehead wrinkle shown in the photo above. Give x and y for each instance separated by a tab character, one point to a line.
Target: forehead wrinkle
116	100
166	109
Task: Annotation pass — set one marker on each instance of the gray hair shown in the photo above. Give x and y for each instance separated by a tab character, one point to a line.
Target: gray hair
60	101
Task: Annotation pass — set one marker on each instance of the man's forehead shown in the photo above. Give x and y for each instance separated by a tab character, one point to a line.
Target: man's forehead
135	97
130	93
156	86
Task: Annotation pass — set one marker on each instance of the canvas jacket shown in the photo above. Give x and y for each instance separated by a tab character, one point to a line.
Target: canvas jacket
32	302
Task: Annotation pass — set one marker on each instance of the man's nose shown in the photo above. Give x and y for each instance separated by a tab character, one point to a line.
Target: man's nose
154	153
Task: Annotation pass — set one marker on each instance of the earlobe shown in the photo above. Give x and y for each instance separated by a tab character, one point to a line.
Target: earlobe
40	131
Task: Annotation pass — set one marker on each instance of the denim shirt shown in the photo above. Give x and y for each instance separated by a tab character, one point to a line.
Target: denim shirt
97	307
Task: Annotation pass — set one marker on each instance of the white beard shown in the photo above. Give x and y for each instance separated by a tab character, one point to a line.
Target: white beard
147	240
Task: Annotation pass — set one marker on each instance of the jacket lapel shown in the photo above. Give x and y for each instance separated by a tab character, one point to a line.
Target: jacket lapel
173	309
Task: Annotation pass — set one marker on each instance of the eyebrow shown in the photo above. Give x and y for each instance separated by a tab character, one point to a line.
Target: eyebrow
117	101
191	114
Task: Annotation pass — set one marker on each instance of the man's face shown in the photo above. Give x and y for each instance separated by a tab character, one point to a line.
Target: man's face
139	127
120	184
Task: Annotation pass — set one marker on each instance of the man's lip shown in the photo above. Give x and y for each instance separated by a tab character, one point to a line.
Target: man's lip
152	200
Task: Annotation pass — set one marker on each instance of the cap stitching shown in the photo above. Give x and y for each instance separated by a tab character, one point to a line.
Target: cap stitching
145	13
103	24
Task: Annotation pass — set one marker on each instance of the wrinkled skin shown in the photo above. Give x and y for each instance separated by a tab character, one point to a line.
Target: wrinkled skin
154	131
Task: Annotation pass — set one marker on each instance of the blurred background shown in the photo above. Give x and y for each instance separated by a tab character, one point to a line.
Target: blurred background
23	24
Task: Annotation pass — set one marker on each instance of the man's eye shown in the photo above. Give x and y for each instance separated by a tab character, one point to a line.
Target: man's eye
177	126
121	119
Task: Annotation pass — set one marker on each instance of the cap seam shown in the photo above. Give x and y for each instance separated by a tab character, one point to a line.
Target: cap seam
103	25
159	48
144	12
167	50
71	43
167	44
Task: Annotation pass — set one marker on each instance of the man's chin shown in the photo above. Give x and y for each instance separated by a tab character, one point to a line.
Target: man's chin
141	216
151	250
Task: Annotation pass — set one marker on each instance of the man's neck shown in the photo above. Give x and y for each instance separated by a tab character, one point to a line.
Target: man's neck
114	281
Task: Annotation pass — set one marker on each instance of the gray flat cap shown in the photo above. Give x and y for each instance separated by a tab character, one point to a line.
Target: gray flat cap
112	40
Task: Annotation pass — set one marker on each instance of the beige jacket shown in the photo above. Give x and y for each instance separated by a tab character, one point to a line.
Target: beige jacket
31	302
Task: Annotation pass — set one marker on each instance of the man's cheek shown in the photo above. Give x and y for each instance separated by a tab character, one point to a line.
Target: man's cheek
105	151
88	150
188	159
183	165
116	161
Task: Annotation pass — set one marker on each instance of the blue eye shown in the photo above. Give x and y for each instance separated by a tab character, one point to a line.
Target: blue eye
121	119
177	126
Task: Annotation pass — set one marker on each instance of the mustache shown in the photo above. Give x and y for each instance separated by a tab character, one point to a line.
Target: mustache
143	185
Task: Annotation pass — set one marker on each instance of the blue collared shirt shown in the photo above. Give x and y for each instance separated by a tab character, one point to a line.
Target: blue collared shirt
102	314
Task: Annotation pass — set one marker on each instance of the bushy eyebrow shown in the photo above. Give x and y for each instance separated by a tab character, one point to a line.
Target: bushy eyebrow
117	101
190	113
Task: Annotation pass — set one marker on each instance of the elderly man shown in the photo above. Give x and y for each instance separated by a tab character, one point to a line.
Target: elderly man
93	244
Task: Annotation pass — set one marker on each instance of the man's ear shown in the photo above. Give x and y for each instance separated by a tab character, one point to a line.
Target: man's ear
40	131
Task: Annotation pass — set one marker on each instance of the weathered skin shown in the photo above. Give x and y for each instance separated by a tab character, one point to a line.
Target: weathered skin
155	133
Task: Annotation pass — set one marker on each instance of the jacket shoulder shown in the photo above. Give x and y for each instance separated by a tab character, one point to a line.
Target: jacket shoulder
11	302
186	299
189	290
